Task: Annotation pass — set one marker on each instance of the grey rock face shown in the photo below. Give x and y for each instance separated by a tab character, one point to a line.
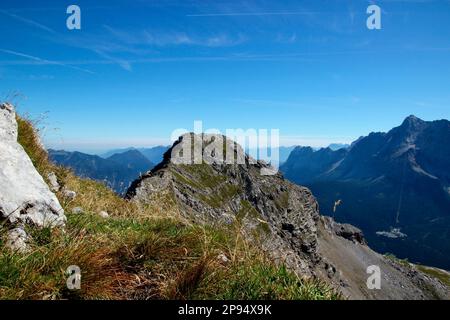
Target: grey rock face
345	230
281	214
24	195
69	194
393	185
281	217
7	120
54	185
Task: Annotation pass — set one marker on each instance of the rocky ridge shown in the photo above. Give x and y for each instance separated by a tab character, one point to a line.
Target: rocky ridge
280	216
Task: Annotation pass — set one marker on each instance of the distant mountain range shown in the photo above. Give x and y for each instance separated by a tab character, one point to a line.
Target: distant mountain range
117	170
154	154
119	167
395	186
283	154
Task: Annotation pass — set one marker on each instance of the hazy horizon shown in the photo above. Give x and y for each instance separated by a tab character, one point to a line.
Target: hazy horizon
97	149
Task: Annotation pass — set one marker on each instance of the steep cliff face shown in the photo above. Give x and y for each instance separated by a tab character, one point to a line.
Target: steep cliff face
281	217
398	180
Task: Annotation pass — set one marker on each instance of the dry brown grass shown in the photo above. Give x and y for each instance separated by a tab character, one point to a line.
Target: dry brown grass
41	272
140	252
92	196
29	140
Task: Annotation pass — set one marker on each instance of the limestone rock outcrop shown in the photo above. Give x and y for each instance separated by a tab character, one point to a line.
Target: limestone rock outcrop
25	198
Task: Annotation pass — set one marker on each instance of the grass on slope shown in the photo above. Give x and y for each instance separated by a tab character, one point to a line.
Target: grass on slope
441	275
140	252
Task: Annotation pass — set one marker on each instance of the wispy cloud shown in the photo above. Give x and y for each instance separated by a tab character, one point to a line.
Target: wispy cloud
126	65
173	38
287	39
160	60
27	21
101	48
126	47
38	60
237	14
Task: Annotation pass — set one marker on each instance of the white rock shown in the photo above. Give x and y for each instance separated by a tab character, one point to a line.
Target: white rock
54	185
103	214
16	240
69	194
8	124
24	195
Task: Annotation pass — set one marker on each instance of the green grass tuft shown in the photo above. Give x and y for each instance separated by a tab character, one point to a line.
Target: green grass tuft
442	276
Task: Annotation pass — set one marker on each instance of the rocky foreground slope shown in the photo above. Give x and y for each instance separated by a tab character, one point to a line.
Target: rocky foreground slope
281	217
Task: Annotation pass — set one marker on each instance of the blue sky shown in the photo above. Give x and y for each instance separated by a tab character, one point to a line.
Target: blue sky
137	70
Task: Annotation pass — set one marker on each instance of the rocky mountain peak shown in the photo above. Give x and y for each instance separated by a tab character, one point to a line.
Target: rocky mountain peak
212	149
281	217
196	171
412	120
412	125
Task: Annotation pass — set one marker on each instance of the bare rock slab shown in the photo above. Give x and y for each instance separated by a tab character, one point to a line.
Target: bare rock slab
24	195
